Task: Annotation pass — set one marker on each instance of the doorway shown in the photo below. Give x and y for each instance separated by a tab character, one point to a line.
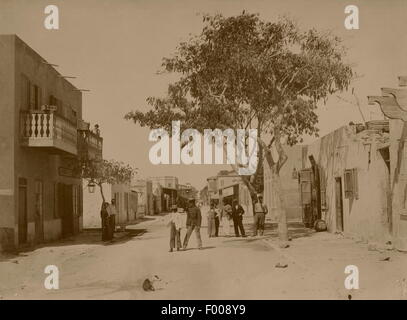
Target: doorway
39	216
22	211
339	204
65	208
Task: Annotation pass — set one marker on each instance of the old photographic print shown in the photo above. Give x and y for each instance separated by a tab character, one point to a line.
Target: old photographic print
220	150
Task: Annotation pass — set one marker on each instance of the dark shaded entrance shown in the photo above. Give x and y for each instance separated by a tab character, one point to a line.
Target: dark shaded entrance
65	208
22	211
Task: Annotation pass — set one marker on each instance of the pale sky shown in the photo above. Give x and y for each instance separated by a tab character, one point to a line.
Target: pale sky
115	48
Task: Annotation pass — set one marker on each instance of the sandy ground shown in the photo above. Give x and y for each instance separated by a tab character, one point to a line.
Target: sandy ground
227	268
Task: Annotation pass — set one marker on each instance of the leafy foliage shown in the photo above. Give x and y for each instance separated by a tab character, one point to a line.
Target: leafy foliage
243	72
107	171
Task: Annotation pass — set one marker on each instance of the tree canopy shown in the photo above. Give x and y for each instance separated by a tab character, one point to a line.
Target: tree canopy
107	171
243	72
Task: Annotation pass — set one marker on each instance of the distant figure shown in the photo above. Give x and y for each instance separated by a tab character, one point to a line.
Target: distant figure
104	215
194	221
96	130
211	221
237	215
112	218
175	225
217	217
226	216
260	210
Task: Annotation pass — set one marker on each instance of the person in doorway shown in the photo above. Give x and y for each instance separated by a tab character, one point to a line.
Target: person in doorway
112	218
237	216
194	221
226	218
260	211
104	215
175	228
211	221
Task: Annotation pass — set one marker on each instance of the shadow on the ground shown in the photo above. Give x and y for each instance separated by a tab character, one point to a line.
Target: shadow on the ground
203	248
295	230
87	236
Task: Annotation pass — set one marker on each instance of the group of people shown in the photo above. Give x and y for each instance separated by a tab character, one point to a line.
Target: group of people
193	224
229	213
108	216
215	216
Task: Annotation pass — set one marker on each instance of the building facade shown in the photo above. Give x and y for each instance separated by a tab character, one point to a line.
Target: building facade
289	183
41	138
165	191
144	189
346	181
126	200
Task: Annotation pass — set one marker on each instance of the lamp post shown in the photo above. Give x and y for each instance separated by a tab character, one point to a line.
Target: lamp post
91	186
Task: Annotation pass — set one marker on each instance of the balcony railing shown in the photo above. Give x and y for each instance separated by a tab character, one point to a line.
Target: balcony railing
90	145
48	130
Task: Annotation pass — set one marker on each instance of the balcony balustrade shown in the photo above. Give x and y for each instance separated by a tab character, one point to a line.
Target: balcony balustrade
48	130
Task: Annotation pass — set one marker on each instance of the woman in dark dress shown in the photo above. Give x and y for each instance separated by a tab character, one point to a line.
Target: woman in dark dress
105	221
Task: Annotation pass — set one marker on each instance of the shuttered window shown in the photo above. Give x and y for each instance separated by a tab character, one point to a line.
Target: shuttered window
351	184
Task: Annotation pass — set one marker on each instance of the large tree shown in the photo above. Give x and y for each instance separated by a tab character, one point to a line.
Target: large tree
243	72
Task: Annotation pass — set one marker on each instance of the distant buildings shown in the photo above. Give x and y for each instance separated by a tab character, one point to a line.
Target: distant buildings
165	191
227	186
144	189
41	137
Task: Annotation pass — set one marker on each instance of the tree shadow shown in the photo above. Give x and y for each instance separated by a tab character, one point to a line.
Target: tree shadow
86	237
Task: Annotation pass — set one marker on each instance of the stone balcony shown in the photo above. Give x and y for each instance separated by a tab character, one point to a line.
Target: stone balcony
49	131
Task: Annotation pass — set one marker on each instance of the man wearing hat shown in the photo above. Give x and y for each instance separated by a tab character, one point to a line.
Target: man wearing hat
260	211
194	220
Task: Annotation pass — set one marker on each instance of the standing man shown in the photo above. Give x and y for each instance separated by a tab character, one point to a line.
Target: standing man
194	220
260	211
237	216
112	218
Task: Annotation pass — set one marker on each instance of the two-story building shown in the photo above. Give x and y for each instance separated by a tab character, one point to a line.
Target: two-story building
42	136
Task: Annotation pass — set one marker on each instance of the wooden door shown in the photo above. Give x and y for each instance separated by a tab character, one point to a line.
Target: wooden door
339	204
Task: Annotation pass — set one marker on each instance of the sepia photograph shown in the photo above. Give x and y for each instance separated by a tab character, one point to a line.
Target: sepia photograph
205	150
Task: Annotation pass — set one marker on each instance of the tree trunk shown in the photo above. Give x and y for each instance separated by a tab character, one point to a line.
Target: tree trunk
279	203
101	192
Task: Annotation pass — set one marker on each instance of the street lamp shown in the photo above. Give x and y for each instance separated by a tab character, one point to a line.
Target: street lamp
91	186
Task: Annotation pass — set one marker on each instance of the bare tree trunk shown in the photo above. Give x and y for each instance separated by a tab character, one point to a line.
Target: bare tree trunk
279	202
101	192
282	216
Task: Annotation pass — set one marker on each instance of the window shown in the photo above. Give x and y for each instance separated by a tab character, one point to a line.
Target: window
351	184
35	96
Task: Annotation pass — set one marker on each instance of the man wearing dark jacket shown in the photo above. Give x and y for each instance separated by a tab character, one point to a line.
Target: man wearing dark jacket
237	215
194	220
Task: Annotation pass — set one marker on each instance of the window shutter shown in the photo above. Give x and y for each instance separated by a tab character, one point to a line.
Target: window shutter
348	184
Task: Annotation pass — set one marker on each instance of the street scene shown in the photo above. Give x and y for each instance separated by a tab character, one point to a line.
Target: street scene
170	150
226	268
